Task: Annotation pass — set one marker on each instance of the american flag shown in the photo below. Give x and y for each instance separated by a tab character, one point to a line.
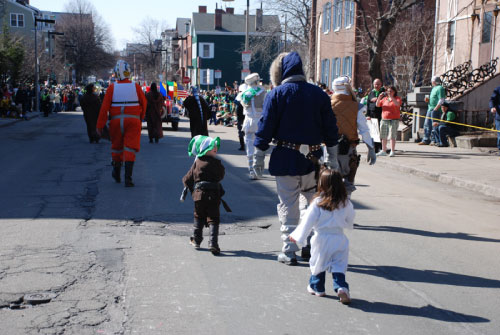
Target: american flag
181	92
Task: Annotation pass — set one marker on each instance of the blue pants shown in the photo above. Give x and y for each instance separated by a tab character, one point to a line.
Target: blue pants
428	135
213	118
497	126
317	282
443	131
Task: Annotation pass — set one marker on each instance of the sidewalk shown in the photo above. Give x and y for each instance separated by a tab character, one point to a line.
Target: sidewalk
477	169
4	122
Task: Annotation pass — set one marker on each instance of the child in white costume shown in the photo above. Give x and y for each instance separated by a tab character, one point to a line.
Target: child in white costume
328	214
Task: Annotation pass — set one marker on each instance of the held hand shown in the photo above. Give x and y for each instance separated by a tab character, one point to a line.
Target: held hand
368	118
373	100
292	239
493	110
434	124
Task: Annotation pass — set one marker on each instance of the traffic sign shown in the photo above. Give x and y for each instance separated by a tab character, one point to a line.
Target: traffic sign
246	56
218	74
244	73
186	80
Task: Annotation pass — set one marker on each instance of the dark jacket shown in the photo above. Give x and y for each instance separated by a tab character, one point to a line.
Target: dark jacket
197	126
371	107
296	112
209	169
495	102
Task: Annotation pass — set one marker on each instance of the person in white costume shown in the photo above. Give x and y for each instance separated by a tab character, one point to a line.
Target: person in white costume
328	214
252	100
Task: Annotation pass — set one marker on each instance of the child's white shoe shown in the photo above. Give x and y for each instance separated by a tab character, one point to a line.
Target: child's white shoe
318	294
343	294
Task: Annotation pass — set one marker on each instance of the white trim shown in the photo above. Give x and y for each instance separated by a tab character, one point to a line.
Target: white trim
27	7
211	50
17	20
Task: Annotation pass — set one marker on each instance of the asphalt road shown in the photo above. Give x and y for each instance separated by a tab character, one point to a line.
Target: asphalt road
115	260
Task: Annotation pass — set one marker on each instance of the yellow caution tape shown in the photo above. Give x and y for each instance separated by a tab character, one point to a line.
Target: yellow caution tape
460	124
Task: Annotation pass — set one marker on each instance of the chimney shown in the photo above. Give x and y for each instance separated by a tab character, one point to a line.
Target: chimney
258	19
229	10
218	19
202	9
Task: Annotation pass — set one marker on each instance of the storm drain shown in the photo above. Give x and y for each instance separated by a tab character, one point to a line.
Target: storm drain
31	300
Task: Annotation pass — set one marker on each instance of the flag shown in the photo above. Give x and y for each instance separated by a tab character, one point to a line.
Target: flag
163	89
181	92
175	89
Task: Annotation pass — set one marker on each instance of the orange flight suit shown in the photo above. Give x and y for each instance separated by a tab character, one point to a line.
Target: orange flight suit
126	104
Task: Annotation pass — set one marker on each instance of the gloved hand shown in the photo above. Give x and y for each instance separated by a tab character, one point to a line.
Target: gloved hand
331	160
371	157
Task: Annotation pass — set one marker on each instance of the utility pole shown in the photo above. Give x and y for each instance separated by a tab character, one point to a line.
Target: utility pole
37	84
312	42
286	33
247	25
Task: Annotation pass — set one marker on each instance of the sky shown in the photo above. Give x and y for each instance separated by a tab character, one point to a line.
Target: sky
122	15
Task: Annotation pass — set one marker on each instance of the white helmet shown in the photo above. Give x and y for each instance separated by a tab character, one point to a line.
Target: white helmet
122	70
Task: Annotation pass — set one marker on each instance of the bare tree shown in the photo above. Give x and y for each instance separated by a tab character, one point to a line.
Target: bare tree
407	53
11	57
89	37
298	23
144	53
378	18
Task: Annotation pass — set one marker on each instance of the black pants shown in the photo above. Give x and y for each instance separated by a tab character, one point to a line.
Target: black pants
206	213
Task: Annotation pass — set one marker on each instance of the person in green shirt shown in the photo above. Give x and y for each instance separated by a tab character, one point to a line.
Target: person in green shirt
436	98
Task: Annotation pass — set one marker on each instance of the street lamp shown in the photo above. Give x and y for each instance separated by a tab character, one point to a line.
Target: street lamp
51	35
37	85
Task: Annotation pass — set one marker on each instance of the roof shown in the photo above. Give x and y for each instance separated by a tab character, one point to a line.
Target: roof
204	23
180	25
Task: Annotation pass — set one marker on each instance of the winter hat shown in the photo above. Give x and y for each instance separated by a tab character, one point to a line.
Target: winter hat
201	144
341	85
252	79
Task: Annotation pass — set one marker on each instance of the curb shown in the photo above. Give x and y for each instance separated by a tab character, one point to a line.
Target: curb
13	121
445	179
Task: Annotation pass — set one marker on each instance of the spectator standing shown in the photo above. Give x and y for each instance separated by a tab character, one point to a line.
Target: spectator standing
437	96
495	109
372	111
390	104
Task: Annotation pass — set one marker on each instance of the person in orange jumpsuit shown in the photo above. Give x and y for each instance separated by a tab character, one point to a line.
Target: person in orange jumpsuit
126	105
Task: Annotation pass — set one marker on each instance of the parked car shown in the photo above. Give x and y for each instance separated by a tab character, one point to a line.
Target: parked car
171	114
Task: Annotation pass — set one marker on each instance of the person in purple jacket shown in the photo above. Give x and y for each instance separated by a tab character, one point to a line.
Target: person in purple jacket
298	118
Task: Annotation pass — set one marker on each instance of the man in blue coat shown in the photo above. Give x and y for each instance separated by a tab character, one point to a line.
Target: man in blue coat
298	117
495	109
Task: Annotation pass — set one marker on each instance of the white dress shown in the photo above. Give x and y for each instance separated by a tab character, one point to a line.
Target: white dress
329	245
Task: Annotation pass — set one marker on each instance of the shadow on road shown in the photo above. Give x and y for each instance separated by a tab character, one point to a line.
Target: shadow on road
429	311
402	230
397	273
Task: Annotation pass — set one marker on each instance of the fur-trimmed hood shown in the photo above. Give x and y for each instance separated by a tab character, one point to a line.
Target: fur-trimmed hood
287	64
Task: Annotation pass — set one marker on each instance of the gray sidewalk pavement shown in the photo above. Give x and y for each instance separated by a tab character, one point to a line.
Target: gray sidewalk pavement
4	122
476	169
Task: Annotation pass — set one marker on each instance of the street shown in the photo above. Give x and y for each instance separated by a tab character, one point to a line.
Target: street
423	255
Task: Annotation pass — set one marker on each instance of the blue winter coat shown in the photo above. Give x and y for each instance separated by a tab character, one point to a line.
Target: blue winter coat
495	102
295	112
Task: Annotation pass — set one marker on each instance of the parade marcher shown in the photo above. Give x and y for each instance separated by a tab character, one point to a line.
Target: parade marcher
350	119
495	110
372	111
156	101
240	117
252	99
203	180
45	102
299	117
437	96
126	105
199	113
329	214
91	105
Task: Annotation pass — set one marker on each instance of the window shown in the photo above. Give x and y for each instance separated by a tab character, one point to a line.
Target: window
337	14
206	50
348	14
327	17
347	67
206	77
450	43
335	68
325	69
16	20
486	33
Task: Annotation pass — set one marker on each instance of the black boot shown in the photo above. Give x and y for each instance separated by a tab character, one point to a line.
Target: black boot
242	144
117	166
306	253
129	167
197	237
214	238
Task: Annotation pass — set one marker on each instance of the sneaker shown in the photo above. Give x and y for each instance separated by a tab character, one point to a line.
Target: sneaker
392	154
451	141
313	292
381	153
193	243
287	259
423	143
215	250
344	297
252	175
